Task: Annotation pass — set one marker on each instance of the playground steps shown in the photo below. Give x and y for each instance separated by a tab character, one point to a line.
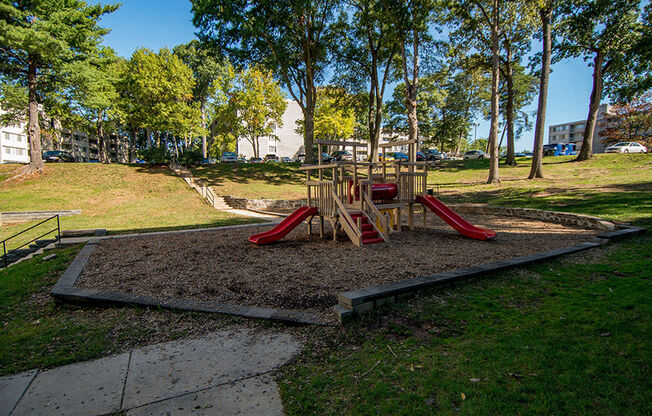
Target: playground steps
369	235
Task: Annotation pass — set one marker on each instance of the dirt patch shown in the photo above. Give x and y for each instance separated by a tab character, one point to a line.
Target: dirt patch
301	271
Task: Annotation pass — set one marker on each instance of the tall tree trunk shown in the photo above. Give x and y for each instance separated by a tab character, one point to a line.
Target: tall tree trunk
509	113
309	131
204	147
411	86
176	148
536	170
132	144
586	152
495	105
34	130
158	139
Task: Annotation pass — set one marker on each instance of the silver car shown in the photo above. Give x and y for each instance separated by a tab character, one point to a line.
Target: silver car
626	147
474	154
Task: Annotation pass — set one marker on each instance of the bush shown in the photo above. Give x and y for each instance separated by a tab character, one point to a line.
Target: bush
191	157
155	155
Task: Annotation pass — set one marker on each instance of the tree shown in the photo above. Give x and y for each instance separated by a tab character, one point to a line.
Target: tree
608	32
36	39
95	95
545	15
259	104
334	120
479	20
367	44
412	26
161	86
206	68
289	37
631	121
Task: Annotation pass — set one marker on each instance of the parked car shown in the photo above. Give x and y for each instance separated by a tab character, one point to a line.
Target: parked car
397	156
242	160
341	155
626	147
326	158
228	157
300	157
286	159
270	159
208	161
421	157
474	154
255	160
434	154
58	156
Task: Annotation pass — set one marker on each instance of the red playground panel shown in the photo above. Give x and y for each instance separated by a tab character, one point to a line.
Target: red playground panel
284	227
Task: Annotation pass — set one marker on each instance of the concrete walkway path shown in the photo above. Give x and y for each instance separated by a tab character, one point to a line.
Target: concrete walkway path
223	373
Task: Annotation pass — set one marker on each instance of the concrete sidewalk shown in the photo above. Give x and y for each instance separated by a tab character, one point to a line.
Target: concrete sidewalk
223	373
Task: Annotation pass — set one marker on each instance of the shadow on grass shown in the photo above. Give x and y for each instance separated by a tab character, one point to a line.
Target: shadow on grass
625	202
217	223
269	173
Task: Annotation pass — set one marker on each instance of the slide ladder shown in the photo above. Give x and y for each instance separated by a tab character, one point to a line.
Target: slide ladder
284	227
454	220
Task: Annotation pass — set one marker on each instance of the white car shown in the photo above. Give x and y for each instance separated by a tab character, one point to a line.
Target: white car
474	154
626	147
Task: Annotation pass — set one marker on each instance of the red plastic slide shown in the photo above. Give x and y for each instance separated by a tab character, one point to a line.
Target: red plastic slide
454	220
284	227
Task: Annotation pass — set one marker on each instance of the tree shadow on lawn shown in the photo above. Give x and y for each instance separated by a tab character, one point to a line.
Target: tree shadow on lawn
216	223
153	169
624	202
483	164
268	173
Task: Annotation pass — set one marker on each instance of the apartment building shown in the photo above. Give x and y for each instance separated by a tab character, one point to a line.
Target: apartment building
573	132
85	148
14	146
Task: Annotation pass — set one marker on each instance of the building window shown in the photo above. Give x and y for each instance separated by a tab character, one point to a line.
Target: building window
19	152
7	150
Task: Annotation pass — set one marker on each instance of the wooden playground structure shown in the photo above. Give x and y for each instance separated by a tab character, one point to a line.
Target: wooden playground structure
367	200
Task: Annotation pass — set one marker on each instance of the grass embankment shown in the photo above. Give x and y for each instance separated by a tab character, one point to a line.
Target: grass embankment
36	332
587	187
120	198
252	181
611	186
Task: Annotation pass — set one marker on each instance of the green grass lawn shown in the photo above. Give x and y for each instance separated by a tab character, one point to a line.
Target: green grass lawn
35	331
566	337
253	181
120	198
602	186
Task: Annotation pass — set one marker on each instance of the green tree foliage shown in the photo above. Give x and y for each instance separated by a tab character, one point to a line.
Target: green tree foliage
289	37
37	38
259	104
160	90
609	33
367	42
207	68
334	115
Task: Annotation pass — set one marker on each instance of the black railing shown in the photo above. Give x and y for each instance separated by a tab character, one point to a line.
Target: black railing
4	242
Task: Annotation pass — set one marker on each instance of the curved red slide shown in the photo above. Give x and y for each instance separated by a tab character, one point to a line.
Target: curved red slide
284	227
454	220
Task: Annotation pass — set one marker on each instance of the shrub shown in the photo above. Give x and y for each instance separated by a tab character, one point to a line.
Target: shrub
155	155
191	157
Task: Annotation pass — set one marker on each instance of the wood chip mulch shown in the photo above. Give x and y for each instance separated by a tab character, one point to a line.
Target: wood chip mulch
302	272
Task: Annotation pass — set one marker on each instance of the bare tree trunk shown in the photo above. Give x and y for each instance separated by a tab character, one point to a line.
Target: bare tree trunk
509	113
309	131
536	171
176	148
586	152
34	130
495	104
132	144
411	86
204	147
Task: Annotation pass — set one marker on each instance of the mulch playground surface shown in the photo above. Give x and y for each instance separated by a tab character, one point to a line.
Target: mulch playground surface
302	272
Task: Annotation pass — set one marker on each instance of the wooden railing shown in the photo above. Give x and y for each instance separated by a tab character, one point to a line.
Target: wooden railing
412	184
348	225
372	211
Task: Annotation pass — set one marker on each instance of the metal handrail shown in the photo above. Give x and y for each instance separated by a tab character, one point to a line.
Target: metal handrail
4	242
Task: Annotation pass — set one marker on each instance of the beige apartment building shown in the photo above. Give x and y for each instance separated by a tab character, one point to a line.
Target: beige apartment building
573	132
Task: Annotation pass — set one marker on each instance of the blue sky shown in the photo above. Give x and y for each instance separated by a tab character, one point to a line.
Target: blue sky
155	24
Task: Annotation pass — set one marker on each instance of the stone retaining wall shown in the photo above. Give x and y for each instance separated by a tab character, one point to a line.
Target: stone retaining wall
271	204
564	218
17	217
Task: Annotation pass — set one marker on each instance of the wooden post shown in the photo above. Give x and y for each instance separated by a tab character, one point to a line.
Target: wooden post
424	216
321	226
399	220
411	216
